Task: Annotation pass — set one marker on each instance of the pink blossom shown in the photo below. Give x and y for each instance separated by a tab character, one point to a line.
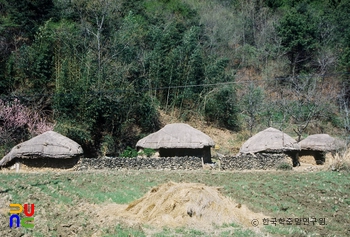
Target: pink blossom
16	117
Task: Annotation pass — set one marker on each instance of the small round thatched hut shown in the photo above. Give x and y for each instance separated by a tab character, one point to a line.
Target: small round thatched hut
178	139
272	140
318	145
50	144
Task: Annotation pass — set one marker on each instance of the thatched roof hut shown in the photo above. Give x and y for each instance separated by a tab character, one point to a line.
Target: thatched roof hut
178	139
318	145
321	142
270	140
47	145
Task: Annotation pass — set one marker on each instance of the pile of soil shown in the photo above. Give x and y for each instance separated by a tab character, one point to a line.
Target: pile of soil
192	205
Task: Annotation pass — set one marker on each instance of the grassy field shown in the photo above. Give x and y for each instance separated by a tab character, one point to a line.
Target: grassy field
65	201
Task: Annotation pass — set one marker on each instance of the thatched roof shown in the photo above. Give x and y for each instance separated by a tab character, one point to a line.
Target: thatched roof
177	135
270	140
47	145
321	142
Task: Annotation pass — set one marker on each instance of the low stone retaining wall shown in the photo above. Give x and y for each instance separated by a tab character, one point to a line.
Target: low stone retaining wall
164	163
258	161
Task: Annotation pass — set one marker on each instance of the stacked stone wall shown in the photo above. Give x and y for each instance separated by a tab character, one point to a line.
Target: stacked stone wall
162	163
261	161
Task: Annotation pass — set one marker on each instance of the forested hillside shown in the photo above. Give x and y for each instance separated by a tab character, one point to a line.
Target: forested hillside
100	71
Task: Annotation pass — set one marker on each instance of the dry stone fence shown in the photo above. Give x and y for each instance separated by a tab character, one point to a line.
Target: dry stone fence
258	161
261	161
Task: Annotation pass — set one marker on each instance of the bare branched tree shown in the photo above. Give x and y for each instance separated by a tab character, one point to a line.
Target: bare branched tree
344	107
311	101
253	105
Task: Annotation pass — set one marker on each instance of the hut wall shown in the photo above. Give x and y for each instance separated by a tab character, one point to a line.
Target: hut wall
46	162
320	156
294	155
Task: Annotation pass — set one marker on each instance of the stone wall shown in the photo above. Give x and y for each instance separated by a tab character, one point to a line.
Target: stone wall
164	163
258	161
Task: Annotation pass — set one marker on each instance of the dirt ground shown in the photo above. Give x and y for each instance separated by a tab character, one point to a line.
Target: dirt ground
171	205
193	203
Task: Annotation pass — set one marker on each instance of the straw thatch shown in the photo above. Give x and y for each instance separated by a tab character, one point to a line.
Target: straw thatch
177	135
270	140
189	205
321	142
47	145
182	204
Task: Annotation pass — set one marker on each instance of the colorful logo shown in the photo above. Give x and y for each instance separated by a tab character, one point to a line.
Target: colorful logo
26	222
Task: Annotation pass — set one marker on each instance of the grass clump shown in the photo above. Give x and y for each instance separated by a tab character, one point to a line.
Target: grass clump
284	166
341	162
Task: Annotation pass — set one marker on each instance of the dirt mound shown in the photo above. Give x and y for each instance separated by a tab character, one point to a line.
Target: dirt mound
173	205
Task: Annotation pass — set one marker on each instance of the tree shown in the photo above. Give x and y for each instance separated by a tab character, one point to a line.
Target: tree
99	81
344	105
311	103
19	23
220	106
297	30
341	22
18	123
176	60
252	105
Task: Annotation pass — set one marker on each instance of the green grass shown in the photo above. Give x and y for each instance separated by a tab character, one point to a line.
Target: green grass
59	196
120	231
283	231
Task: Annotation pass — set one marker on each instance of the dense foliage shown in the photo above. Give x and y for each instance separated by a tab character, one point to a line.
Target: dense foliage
101	69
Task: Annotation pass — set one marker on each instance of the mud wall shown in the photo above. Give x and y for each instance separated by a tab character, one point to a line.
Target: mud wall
243	162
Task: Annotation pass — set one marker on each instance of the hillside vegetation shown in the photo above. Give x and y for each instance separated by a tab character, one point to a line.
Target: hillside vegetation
102	71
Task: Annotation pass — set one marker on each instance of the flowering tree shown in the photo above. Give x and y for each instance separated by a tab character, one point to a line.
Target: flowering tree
18	121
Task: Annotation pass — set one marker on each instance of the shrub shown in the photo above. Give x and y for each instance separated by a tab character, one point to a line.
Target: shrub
129	152
107	145
148	152
284	166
